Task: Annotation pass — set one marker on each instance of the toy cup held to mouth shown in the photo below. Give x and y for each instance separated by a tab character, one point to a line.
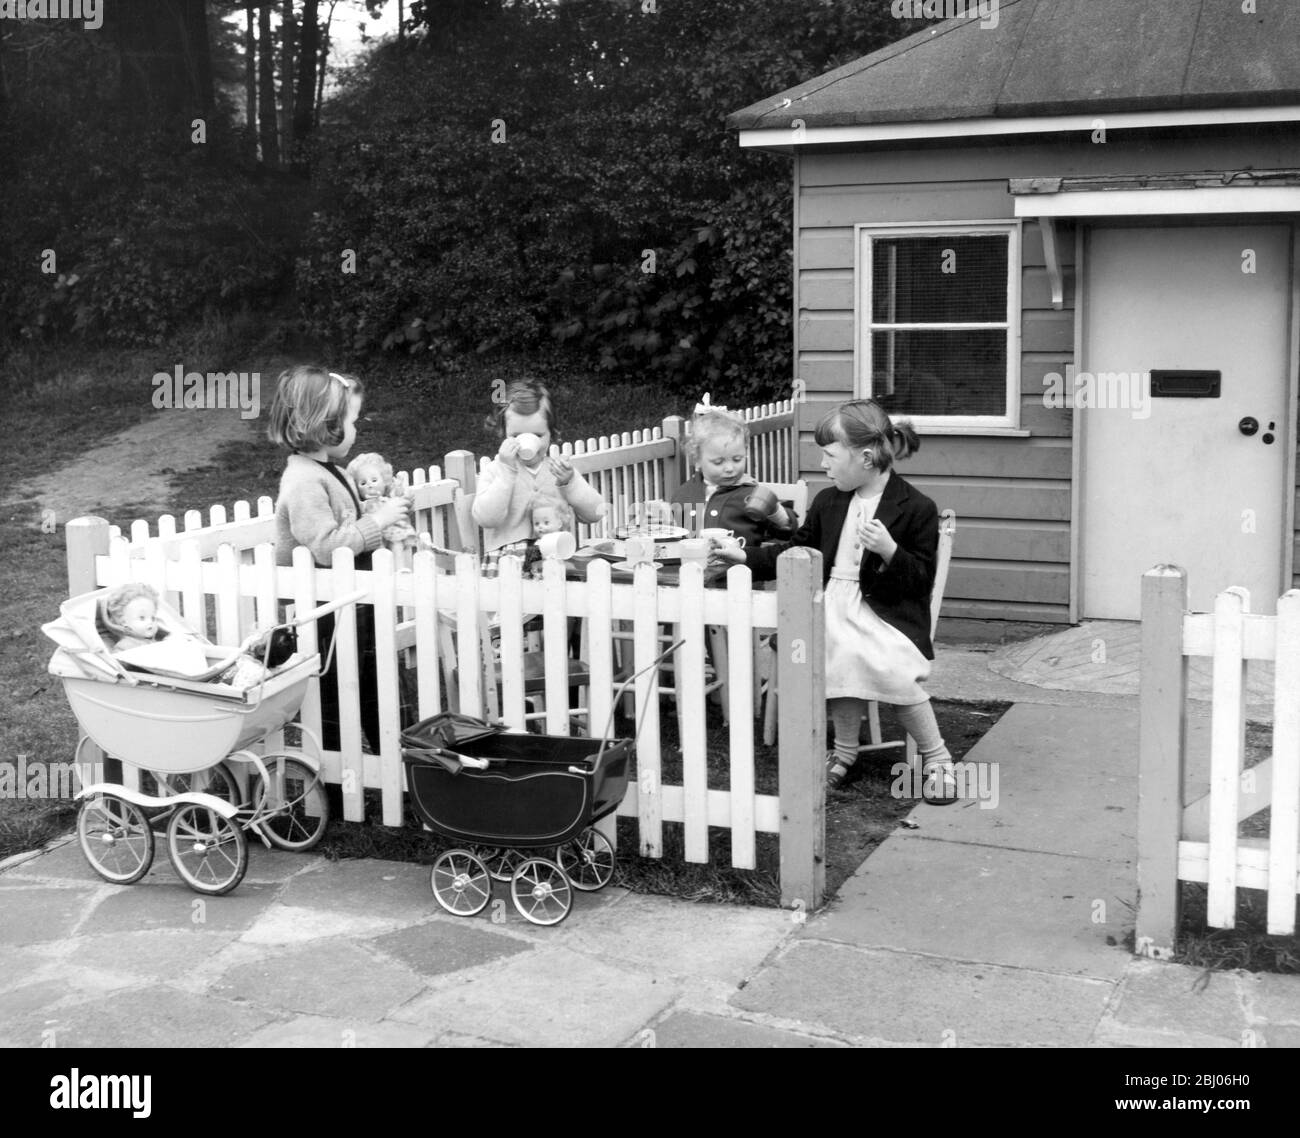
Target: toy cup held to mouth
761	503
556	546
530	446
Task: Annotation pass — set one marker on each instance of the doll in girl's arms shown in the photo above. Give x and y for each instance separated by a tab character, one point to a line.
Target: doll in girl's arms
374	479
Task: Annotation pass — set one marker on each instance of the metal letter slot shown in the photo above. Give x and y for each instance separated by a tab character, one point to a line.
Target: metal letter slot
1185	384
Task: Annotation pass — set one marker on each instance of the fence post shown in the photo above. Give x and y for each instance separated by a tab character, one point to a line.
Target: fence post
674	427
1161	726
86	539
461	467
801	681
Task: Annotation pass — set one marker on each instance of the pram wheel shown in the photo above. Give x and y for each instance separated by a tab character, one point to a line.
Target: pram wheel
541	892
208	851
588	860
460	883
296	803
501	862
116	838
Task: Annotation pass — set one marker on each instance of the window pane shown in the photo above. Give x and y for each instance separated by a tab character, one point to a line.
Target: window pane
940	373
939	280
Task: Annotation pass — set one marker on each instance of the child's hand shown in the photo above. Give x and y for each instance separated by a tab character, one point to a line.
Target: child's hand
562	469
508	453
875	537
393	511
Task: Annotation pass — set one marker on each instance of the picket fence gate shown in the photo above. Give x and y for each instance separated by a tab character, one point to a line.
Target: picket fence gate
220	572
1200	841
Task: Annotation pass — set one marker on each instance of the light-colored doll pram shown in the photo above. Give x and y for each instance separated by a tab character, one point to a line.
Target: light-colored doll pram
181	722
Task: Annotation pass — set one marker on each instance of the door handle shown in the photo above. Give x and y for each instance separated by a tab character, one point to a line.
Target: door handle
1248	425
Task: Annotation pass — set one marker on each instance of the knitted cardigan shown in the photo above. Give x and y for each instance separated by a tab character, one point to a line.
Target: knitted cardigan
503	503
313	509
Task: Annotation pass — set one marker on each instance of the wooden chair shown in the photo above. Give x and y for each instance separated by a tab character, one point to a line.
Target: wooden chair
947	531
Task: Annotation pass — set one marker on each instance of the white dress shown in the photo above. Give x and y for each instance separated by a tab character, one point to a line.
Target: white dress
865	657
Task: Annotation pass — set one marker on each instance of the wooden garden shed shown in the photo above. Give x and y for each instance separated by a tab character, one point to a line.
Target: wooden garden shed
1064	242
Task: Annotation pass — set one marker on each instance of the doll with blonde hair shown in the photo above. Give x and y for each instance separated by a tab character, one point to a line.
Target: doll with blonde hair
374	479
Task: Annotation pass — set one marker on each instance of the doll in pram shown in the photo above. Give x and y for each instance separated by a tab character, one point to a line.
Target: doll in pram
160	706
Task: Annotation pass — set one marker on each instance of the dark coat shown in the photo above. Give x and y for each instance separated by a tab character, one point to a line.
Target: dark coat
898	593
725	510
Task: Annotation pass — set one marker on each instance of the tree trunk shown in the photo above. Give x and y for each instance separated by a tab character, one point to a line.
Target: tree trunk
166	61
324	63
250	86
304	99
287	36
266	89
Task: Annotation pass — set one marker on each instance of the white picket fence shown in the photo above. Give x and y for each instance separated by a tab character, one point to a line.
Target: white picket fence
223	578
1200	841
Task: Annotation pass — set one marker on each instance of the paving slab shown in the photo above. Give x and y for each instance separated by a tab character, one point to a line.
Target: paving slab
169	904
1273	998
440	947
31	916
328	1031
905	998
160	1017
333	979
388	889
665	935
1159	996
64	862
550	997
23	1002
17	965
273	866
287	924
695	1029
163	954
1282	1035
979	903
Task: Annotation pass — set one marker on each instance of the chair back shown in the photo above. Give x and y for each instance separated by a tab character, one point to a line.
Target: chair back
947	530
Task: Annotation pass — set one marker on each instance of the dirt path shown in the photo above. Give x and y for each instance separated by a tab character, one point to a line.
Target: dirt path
134	467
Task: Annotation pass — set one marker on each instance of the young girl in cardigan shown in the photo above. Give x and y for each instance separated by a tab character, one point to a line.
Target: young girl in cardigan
523	470
879	539
314	417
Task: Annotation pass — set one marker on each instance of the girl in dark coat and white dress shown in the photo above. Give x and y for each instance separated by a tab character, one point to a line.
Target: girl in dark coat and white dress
879	538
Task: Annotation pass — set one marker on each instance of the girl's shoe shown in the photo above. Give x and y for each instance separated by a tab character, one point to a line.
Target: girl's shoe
836	771
939	783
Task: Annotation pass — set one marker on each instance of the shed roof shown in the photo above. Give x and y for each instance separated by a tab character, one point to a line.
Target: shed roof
1058	57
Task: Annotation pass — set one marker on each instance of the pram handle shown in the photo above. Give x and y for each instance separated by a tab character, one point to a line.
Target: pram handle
325	609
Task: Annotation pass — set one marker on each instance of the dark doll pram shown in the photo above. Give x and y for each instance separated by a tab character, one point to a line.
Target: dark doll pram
181	728
512	799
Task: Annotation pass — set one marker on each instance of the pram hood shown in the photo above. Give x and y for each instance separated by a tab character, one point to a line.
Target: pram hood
82	650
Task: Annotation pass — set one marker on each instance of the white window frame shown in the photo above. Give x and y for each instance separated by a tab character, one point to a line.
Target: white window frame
864	326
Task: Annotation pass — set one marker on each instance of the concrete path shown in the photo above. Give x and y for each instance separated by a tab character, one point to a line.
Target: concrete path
986	924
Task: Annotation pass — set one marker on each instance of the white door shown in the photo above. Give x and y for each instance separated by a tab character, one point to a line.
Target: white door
1177	481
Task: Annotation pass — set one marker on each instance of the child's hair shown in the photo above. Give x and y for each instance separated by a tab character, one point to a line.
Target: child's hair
525	397
562	509
310	409
371	461
715	424
116	601
864	423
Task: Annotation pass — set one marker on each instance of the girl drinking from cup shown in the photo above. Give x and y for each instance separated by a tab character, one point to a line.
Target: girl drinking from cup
523	471
879	539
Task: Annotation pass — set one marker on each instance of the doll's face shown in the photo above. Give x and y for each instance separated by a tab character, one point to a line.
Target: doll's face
722	459
546	520
140	618
370	482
